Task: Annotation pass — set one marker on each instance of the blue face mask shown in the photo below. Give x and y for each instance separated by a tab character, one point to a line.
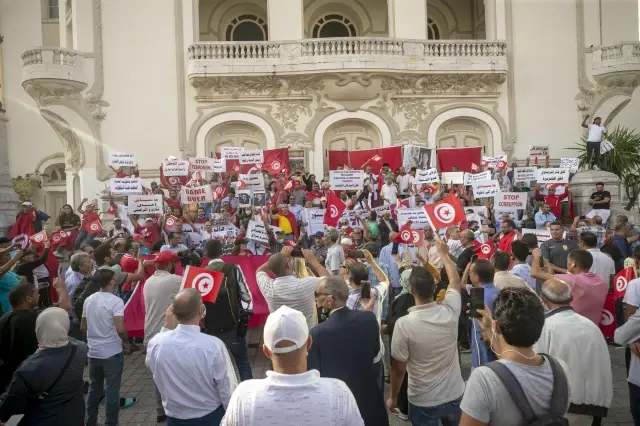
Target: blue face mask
144	250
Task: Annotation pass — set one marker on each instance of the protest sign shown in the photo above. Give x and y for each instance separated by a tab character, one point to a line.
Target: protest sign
254	156
417	216
469	178
486	188
145	204
570	163
314	220
479	210
125	185
426	176
456	178
224	231
219	166
538	150
122	159
346	180
351	216
201	164
256	231
175	168
525	174
492	162
253	181
196	194
553	176
231	152
244	197
541	234
510	201
260	198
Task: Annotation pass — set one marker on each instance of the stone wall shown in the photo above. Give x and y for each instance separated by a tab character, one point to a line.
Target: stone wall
8	197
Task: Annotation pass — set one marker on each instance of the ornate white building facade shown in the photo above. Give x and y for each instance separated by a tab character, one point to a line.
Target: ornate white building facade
187	77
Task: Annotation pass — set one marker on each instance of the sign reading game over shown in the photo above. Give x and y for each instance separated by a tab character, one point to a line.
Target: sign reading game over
122	159
553	176
196	194
510	201
254	156
175	168
346	180
426	176
126	185
201	164
525	174
145	204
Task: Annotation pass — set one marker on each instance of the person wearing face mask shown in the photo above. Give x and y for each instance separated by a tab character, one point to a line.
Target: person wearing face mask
513	329
579	343
346	331
192	370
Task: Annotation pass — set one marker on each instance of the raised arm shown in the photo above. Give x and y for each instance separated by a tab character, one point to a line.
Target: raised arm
313	263
80	209
7	266
584	122
449	266
536	269
380	275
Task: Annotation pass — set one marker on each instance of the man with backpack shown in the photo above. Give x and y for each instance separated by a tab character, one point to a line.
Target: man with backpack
227	318
522	387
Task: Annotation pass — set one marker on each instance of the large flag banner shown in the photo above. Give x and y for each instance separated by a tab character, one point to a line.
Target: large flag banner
445	213
460	158
368	157
206	281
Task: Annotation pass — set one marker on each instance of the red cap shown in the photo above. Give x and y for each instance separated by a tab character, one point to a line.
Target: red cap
165	257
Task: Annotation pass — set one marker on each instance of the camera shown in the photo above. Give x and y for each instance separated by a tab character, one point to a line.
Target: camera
191	257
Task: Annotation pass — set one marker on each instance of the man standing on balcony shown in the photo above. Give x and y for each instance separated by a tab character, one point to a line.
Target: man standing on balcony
594	138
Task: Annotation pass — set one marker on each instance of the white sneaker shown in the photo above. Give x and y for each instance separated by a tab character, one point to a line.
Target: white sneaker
399	414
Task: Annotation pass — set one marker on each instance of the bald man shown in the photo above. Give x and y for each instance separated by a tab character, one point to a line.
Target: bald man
578	342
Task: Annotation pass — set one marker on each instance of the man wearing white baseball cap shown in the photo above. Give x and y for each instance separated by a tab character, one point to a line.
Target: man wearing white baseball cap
327	402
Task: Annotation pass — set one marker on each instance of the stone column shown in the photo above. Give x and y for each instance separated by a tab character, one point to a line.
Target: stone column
490	19
8	197
286	20
408	19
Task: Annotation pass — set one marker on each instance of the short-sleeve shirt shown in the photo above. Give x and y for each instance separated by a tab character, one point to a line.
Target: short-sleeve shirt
602	195
296	293
335	258
632	294
102	336
595	133
557	252
69	221
589	293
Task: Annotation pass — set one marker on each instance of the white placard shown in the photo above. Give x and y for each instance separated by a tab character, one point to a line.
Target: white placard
196	194
570	163
253	181
145	204
492	162
254	156
553	176
351	216
231	152
256	231
469	178
456	178
346	180
485	188
223	231
510	201
314	220
244	197
125	185
175	168
541	234
417	216
122	159
525	174
479	210
538	150
219	166
201	164
423	177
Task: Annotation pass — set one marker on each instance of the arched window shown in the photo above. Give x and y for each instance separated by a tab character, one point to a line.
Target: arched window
433	32
247	28
330	26
55	174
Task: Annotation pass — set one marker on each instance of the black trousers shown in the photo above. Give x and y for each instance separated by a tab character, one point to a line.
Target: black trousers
634	403
593	150
45	298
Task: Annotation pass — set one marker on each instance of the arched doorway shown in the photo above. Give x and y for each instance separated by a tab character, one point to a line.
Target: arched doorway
234	133
463	132
54	186
350	135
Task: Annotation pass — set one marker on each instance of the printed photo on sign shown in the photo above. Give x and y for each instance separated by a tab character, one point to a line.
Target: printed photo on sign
456	178
510	201
417	216
252	181
346	180
125	185
254	156
553	175
122	159
259	198
492	162
469	178
175	168
244	197
426	176
483	189
525	174
196	194
219	166
570	163
145	204
201	164
231	152
418	157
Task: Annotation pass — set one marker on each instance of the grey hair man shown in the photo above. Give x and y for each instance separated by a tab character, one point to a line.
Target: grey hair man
335	253
578	342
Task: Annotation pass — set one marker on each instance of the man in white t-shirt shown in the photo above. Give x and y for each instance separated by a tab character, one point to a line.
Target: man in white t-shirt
103	321
404	181
389	191
594	138
278	398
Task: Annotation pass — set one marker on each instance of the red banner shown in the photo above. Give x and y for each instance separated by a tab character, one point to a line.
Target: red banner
461	158
275	160
371	157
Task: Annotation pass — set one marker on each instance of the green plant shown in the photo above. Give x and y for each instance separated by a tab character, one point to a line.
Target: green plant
623	160
27	186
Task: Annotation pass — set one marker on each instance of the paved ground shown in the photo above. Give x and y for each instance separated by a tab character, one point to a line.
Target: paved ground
137	382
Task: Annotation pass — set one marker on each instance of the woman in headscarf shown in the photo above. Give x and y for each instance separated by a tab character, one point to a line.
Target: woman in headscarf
47	387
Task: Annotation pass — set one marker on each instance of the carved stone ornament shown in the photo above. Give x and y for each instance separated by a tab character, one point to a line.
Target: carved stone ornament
296	141
269	85
429	84
288	112
73	149
414	111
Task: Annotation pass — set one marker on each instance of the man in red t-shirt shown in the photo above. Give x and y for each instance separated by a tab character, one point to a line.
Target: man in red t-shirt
315	192
150	232
554	200
174	199
507	236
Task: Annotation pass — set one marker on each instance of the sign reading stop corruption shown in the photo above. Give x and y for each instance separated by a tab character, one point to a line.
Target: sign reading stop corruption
510	201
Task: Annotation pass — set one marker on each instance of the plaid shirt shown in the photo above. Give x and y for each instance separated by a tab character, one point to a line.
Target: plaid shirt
599	232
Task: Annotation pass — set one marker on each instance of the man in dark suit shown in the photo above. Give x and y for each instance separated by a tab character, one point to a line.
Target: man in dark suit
344	347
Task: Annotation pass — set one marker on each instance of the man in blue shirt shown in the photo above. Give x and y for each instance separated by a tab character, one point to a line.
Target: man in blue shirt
481	273
544	216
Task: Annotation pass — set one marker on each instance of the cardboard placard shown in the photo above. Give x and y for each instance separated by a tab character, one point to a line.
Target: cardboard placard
256	231
486	188
417	216
254	156
492	162
541	234
145	204
570	163
314	220
525	174
423	177
553	175
201	164
253	181
122	159
456	178
175	168
469	178
219	166
231	152
510	201
346	180
196	194
125	185
538	150
244	197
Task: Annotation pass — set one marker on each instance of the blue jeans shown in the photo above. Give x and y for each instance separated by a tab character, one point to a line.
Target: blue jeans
238	348
83	237
103	371
448	413
214	418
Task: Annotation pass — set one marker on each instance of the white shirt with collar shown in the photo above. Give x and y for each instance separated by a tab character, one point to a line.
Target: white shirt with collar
192	371
603	264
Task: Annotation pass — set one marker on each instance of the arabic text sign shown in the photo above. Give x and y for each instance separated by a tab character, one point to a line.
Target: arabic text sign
219	166
231	152
122	159
538	150
201	164
427	176
417	216
456	178
314	220
553	176
525	174
126	185
346	180
253	180
541	234
256	231
510	201
196	194
486	188
145	204
492	162
254	156
569	163
175	168
223	231
469	178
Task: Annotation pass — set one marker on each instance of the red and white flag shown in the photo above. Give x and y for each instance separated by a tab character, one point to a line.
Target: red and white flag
205	281
241	184
484	163
410	236
220	192
288	186
484	250
170	223
94	227
445	213
21	240
474	168
501	165
39	238
59	237
334	211
622	281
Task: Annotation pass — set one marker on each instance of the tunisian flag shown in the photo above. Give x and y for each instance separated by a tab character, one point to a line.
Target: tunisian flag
607	319
622	281
484	250
462	158
94	227
206	281
445	213
370	157
40	238
335	209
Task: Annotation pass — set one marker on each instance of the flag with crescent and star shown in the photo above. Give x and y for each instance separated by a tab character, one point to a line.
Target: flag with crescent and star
445	213
205	281
334	211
